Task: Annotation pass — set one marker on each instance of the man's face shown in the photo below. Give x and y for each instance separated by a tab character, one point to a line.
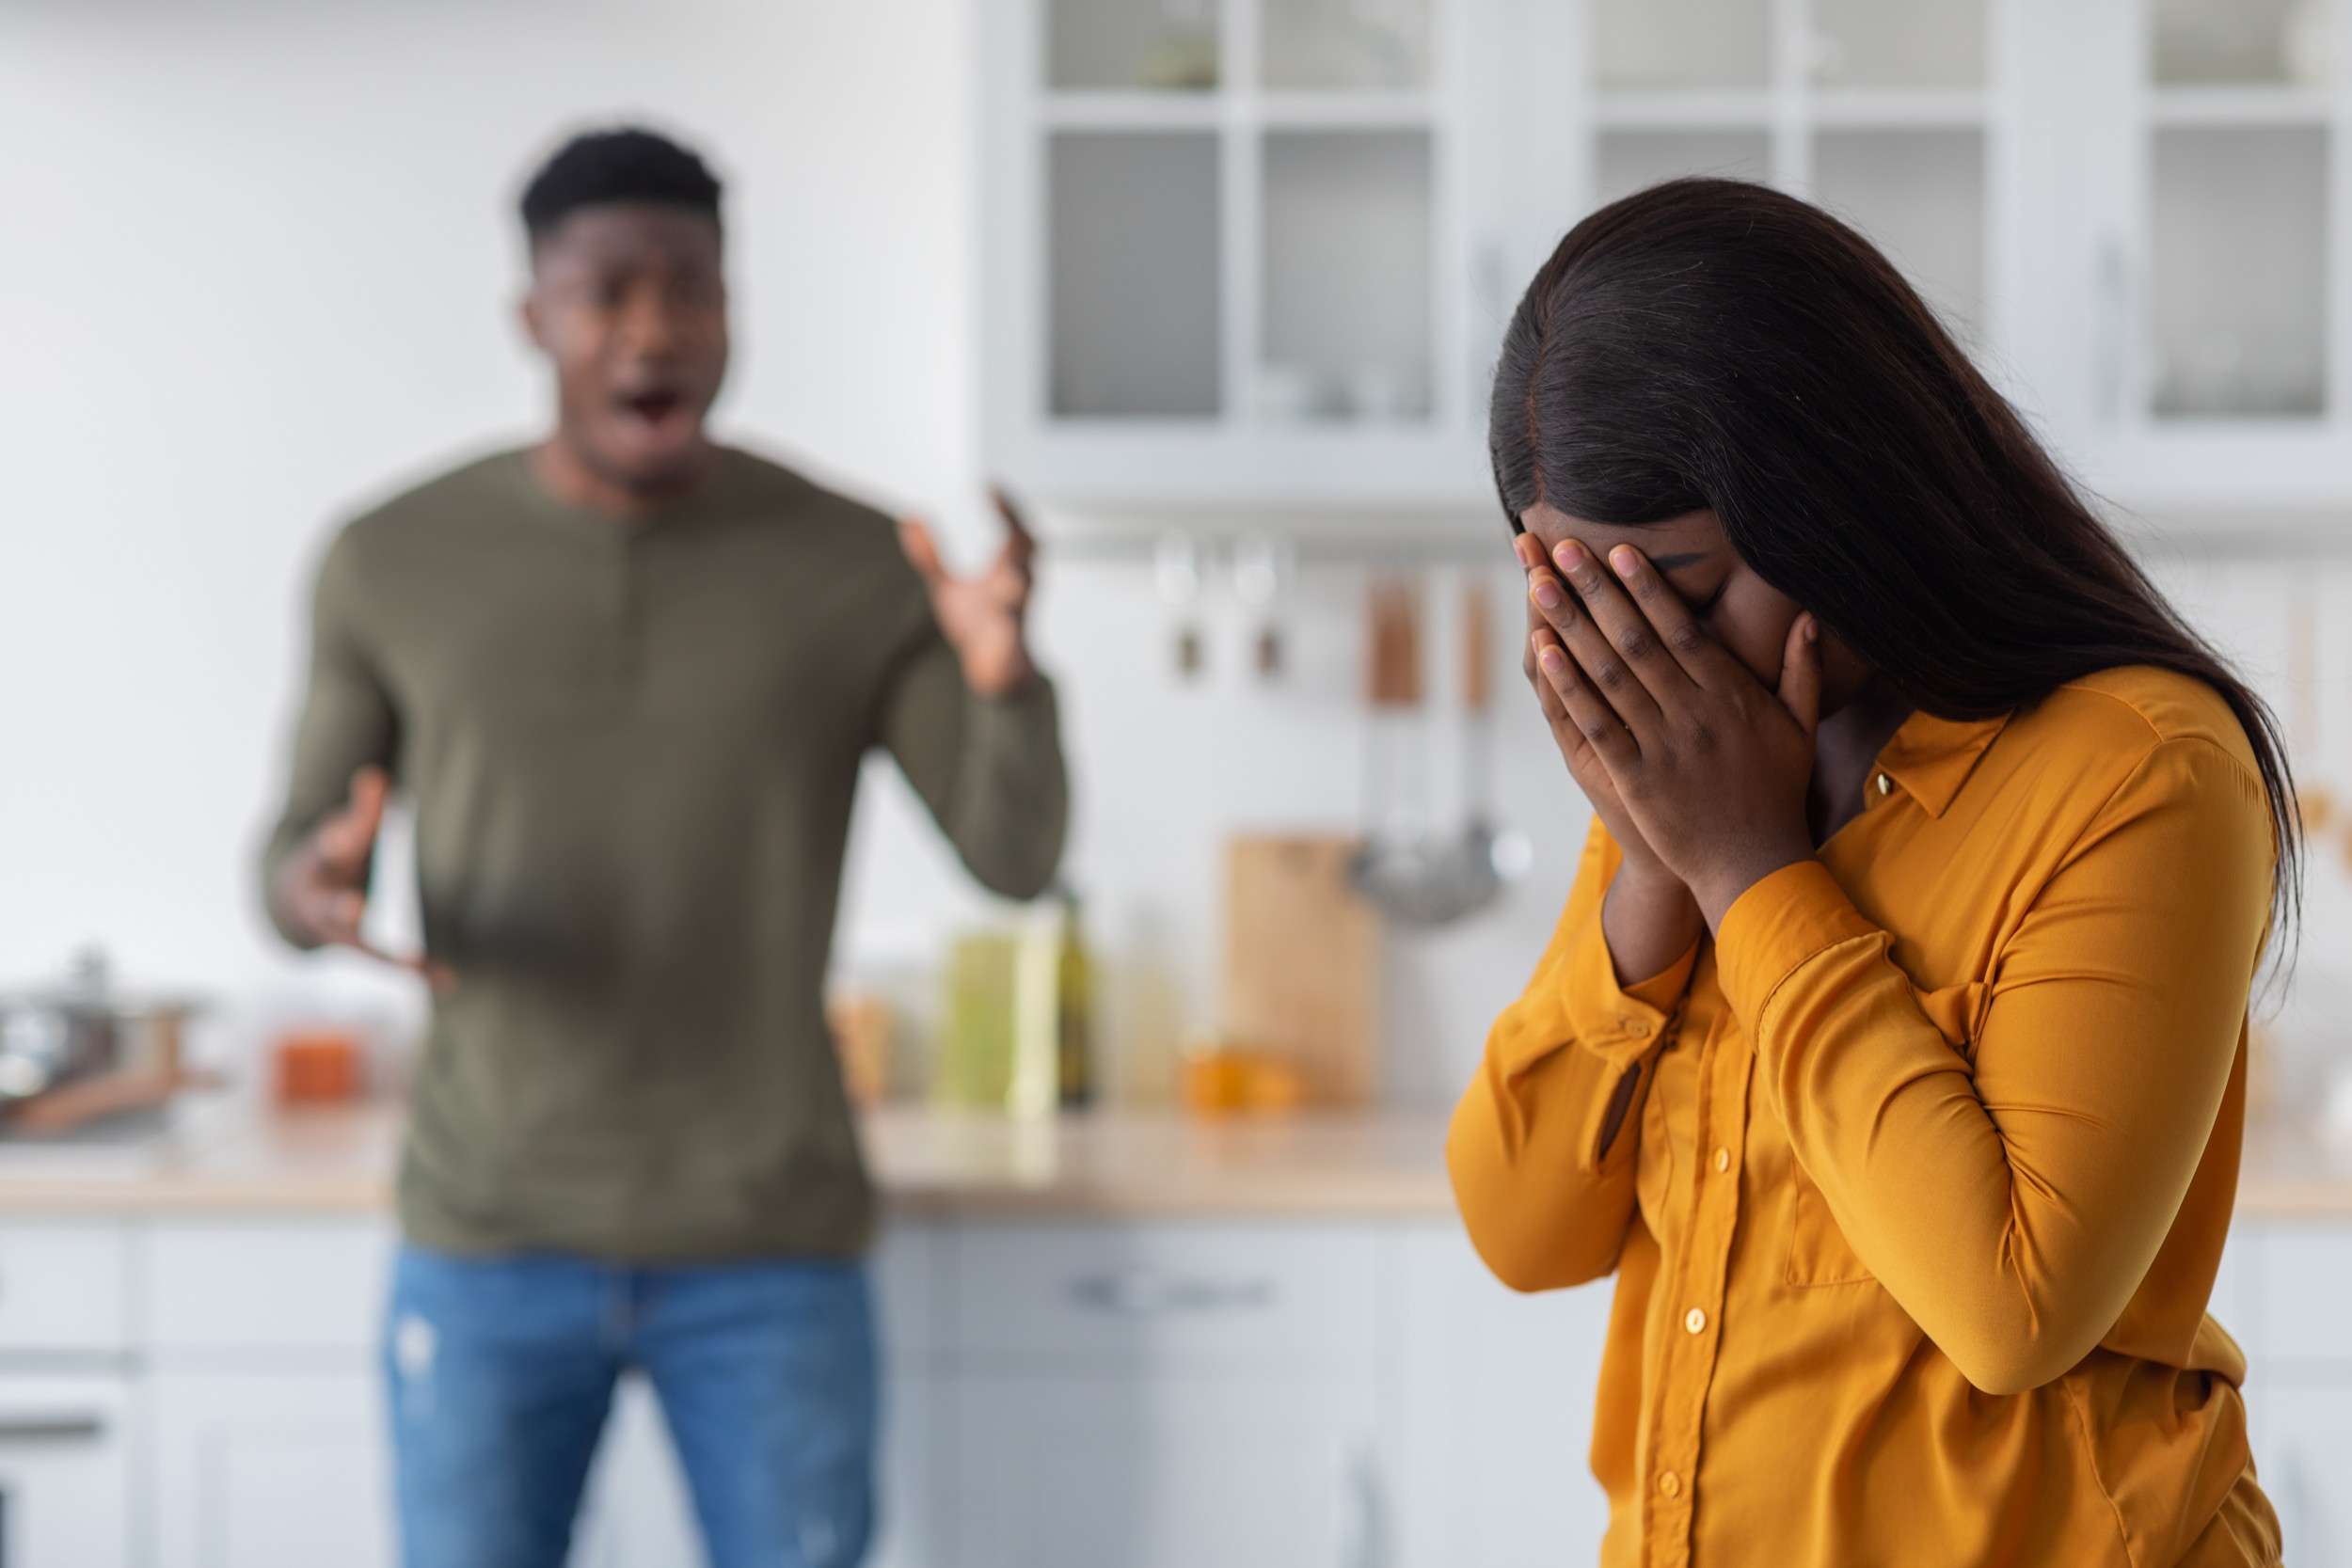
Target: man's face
630	304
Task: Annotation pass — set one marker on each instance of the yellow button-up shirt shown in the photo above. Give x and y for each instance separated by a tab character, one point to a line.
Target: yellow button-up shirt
1916	1179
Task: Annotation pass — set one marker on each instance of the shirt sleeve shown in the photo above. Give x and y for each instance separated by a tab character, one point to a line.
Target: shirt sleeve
2010	1176
990	768
1542	1145
348	719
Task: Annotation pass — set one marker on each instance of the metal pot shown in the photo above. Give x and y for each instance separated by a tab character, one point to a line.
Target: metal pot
82	1030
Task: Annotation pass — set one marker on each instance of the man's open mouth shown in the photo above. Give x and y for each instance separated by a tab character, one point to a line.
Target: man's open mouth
653	407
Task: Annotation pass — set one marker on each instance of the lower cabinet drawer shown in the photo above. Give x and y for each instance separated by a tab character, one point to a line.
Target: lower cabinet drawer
274	1285
2306	1279
65	1471
1099	1293
64	1286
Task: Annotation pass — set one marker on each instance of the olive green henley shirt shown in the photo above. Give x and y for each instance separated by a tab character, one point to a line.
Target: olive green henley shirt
632	749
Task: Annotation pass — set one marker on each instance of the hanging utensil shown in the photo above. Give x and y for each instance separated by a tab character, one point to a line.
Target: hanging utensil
1416	877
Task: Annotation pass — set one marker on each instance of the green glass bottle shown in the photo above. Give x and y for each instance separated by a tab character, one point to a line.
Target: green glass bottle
1075	1012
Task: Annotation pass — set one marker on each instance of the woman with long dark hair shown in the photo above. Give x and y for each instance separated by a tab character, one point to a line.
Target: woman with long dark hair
1891	1050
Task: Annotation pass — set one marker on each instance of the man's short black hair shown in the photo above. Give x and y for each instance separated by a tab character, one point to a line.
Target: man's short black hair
625	163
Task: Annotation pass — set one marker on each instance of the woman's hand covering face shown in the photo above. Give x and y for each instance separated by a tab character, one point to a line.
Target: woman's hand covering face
1668	733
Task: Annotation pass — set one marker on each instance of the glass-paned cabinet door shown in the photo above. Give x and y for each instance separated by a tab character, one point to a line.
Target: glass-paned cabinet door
1241	235
1362	44
1345	299
1920	195
2244	108
2238	239
1229	248
1878	109
2211	43
1898	43
1114	45
1691	45
1630	161
1132	218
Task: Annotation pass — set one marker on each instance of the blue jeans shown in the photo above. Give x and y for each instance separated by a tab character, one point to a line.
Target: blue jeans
502	1371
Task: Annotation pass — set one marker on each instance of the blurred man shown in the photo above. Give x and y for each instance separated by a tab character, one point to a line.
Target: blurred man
626	676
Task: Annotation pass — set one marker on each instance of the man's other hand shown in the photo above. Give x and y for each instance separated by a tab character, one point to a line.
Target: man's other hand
321	890
981	617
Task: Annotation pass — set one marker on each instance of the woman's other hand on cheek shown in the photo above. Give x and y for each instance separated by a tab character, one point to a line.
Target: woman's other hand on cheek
1710	768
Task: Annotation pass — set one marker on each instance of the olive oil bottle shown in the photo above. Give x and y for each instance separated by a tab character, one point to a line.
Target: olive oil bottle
1075	1011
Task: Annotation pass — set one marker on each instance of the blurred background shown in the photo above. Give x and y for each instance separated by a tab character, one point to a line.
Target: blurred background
1212	286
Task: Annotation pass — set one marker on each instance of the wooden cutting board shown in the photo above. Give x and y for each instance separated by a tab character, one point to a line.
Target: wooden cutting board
1302	962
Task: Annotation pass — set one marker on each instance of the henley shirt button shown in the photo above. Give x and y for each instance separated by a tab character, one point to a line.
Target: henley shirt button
1694	1320
1670	1484
1723	1159
1886	785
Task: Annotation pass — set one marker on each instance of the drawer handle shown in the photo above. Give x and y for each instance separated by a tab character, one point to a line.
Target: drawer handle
1141	1293
44	1426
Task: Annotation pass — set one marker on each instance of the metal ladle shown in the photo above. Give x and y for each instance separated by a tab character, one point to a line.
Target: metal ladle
1416	877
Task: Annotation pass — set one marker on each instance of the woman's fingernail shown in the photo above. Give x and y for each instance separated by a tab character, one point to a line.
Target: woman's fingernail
1625	559
1812	629
1571	556
1546	593
1552	659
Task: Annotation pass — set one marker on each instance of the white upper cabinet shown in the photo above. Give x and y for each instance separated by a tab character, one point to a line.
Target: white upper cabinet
1256	254
2211	231
1228	252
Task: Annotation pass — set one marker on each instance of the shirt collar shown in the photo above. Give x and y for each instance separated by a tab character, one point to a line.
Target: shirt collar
1932	757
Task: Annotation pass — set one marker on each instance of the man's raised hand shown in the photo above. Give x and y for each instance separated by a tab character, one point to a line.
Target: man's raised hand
982	617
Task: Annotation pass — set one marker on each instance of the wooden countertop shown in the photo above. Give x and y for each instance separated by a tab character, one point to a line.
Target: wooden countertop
222	1157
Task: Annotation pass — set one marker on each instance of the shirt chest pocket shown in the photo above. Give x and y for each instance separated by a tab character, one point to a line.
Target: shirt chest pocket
1818	1253
1817	1250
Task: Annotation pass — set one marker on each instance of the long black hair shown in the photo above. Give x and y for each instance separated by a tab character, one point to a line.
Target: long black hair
1716	343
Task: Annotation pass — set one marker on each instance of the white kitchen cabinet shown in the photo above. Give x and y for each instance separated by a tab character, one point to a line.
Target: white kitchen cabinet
2288	1281
281	1286
65	1470
1165	1394
2303	1453
65	1287
1239	250
1495	1412
1254	254
1176	1294
271	1469
1244	1470
1135	1391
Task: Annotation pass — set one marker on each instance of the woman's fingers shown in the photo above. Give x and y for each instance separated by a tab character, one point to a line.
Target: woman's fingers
1698	656
1583	708
1634	635
1596	657
1801	672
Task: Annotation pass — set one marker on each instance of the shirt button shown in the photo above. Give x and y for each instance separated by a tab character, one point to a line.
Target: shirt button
1694	1320
1886	785
1670	1484
1723	1159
